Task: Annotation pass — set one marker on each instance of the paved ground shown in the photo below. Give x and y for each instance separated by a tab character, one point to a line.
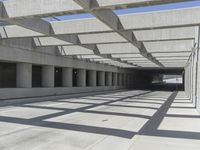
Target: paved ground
127	120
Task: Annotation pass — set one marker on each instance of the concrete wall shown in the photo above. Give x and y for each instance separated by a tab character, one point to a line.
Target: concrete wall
24	55
14	93
192	74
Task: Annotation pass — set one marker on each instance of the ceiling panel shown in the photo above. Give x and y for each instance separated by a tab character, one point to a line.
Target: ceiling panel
169	46
166	34
161	19
180	54
79	26
121	48
101	38
127	56
76	50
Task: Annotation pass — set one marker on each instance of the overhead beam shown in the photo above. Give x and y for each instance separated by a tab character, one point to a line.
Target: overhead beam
43	27
13	9
108	17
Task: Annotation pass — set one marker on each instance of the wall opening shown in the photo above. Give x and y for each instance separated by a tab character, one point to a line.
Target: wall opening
106	79
87	78
58	77
7	75
74	77
36	76
159	79
97	79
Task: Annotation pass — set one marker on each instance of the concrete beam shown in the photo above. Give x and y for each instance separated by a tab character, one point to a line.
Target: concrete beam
163	19
40	8
39	25
112	20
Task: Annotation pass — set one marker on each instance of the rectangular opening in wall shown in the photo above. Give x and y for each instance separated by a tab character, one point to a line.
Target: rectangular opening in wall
106	79
74	76
168	79
58	77
97	79
7	75
36	76
87	78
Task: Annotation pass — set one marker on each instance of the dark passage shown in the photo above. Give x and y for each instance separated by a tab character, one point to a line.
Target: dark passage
159	79
74	76
87	77
36	76
58	77
7	75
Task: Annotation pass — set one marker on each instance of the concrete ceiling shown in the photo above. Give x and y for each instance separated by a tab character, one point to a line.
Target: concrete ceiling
154	39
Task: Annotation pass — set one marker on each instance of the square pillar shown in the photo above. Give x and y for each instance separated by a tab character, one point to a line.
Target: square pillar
92	78
101	78
115	79
120	79
81	77
67	77
108	79
24	75
48	76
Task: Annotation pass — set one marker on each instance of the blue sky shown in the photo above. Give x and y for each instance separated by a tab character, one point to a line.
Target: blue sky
192	3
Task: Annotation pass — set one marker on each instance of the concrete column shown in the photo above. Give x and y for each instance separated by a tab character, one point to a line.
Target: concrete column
67	77
125	79
129	80
24	75
81	77
115	79
92	78
120	79
109	78
48	76
101	78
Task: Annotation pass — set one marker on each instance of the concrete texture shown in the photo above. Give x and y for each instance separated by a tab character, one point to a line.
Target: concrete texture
24	75
123	120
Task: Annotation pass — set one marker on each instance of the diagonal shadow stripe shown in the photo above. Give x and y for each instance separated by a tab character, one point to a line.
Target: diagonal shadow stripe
151	126
82	109
68	126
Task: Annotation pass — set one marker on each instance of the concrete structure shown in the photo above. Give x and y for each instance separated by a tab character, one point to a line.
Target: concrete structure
48	58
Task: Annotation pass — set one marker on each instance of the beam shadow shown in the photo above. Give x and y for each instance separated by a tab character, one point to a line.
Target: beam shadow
143	102
133	106
74	127
150	128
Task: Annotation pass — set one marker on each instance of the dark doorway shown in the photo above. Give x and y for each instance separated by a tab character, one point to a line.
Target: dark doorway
7	75
159	79
87	78
75	77
36	76
58	77
97	78
106	79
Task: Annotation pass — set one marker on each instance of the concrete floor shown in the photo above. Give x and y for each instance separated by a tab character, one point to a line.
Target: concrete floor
126	120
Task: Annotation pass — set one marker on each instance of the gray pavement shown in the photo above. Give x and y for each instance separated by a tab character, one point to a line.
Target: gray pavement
124	120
